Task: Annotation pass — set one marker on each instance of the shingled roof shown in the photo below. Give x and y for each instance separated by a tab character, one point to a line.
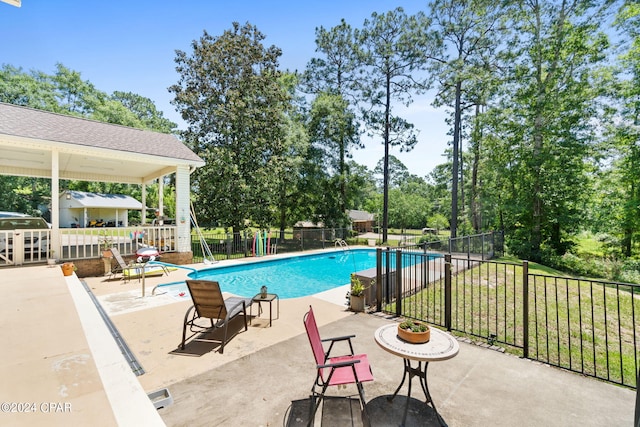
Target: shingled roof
27	122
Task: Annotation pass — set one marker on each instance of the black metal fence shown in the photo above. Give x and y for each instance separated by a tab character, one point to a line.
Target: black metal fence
242	244
585	326
484	245
246	243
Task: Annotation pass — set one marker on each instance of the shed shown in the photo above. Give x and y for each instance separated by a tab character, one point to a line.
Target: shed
362	221
83	209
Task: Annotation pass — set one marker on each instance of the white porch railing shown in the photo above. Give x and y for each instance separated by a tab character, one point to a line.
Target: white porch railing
34	246
24	246
81	243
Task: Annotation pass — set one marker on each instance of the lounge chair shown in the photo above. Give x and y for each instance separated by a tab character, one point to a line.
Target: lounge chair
121	266
208	303
126	269
340	370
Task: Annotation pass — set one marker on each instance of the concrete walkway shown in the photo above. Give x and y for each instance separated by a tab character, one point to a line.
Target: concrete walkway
56	351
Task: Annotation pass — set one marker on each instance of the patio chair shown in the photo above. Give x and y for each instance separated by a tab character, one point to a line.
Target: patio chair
123	267
208	303
335	371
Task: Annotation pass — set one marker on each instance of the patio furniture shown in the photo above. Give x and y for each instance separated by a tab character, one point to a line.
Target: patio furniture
121	267
259	298
208	303
335	371
134	269
441	346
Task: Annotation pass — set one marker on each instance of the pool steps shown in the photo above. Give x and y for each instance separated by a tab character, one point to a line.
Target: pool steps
166	264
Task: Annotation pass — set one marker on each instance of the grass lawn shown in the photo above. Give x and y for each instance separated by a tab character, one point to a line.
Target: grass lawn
582	325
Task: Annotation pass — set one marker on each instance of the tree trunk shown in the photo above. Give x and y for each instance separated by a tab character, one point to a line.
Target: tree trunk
475	145
455	167
385	198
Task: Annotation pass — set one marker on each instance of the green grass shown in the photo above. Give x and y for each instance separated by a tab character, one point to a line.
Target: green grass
588	244
487	300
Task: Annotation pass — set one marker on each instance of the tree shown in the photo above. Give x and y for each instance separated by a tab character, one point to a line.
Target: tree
65	92
395	48
292	202
396	170
75	96
145	111
362	187
34	89
336	71
543	123
332	78
622	195
471	32
333	131
231	98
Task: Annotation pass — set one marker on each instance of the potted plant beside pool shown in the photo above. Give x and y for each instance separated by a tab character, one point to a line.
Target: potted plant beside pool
356	294
414	331
68	268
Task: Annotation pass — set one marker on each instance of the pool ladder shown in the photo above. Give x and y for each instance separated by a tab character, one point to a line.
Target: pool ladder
341	243
166	264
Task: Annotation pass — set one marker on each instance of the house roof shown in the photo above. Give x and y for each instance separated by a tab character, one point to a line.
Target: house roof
99	200
308	224
88	150
356	215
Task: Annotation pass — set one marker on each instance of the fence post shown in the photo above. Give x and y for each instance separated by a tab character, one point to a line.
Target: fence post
447	291
525	309
245	244
379	279
398	276
387	276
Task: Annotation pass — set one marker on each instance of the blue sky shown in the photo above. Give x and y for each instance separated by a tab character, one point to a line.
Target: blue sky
130	46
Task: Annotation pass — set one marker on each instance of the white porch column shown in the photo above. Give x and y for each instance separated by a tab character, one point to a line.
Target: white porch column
161	199
55	203
183	211
143	216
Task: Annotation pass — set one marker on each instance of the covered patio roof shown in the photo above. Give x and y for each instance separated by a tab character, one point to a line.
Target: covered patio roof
87	150
42	144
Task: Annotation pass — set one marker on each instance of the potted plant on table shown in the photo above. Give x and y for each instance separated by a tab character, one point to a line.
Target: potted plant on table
414	331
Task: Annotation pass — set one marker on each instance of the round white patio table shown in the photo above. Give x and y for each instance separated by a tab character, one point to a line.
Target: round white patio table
441	346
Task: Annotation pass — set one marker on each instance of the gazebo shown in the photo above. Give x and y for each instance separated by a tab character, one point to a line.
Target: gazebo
42	144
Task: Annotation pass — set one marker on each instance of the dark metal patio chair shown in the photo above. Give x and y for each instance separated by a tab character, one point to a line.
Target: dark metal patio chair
208	303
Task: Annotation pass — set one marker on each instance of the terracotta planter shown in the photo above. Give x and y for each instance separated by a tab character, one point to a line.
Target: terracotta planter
414	337
67	268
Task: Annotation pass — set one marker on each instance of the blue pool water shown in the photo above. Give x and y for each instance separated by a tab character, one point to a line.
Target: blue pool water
288	277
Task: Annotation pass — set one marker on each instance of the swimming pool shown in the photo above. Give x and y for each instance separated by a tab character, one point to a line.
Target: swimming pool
291	277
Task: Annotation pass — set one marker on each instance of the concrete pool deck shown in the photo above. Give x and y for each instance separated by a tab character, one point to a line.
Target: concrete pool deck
57	352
